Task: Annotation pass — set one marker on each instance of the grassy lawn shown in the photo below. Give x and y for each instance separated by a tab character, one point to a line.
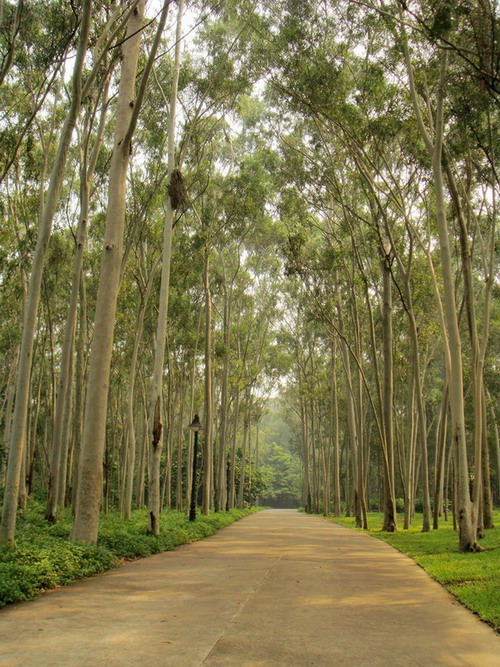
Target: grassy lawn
474	579
44	557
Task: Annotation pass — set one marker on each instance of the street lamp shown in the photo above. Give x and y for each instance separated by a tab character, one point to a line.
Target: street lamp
228	481
196	427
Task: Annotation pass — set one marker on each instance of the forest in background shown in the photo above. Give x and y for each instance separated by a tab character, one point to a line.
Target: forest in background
206	207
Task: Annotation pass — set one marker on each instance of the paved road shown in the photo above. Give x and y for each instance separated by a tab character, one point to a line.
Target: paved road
278	588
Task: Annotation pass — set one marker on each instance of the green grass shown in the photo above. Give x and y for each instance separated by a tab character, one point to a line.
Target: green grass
474	579
44	557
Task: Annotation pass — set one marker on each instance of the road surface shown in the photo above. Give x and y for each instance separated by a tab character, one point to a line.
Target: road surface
278	588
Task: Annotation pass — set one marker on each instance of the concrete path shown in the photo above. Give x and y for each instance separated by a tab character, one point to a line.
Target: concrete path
278	588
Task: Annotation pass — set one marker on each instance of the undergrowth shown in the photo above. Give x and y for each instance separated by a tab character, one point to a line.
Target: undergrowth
44	557
473	578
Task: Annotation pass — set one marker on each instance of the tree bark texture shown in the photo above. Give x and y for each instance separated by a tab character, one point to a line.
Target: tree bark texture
90	473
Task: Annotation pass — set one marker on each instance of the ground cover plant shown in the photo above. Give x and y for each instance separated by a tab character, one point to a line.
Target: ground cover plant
473	578
44	557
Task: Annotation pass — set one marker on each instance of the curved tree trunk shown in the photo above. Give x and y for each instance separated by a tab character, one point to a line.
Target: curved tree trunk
466	522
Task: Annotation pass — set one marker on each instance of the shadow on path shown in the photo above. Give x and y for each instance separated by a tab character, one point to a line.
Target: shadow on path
276	588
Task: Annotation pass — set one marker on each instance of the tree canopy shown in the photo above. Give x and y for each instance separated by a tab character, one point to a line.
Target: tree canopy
278	215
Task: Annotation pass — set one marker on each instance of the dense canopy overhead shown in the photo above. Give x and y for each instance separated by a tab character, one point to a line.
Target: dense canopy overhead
278	215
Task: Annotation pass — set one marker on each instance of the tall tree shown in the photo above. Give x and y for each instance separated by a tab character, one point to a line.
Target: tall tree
19	425
174	202
88	499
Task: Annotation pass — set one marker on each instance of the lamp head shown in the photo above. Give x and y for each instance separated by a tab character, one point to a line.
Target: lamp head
195	425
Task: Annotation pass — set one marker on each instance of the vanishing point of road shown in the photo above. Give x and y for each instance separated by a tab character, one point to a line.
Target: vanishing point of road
278	588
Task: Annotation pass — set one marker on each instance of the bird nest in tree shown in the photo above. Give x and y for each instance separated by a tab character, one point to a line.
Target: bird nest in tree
177	190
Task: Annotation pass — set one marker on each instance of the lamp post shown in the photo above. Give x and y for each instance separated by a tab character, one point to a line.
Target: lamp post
228	481
195	426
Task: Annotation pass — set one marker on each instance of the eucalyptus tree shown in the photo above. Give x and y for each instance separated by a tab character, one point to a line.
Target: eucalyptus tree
89	156
433	139
10	46
325	96
395	194
339	210
36	39
145	286
18	434
129	103
327	112
424	78
253	344
175	201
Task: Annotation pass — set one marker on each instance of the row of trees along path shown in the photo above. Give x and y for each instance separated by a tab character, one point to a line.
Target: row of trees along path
297	198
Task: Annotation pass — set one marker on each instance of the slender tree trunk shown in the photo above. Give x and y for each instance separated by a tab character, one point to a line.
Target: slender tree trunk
25	481
208	439
19	425
440	459
314	467
467	530
422	427
481	494
353	436
142	453
466	521
66	435
221	481
131	435
305	455
390	518
156	405
60	444
244	448
79	388
88	499
180	442
336	441
166	488
257	457
192	381
232	487
487	495
9	403
448	502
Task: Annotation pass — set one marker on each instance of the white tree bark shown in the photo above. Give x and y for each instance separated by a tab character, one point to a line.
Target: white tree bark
19	422
57	477
208	467
89	492
390	517
434	145
156	404
131	435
